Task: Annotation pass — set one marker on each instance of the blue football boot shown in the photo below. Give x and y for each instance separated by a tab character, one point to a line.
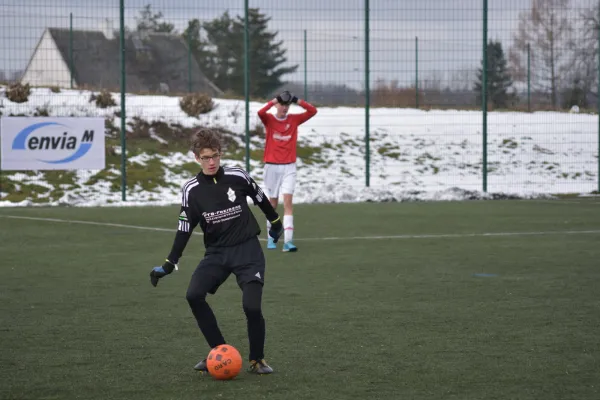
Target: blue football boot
289	247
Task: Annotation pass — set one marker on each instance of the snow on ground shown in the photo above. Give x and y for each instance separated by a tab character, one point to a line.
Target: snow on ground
415	154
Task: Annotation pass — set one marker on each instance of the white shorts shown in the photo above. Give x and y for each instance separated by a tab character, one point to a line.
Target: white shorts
279	178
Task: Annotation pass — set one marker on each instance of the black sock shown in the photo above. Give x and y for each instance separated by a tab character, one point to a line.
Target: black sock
251	300
207	322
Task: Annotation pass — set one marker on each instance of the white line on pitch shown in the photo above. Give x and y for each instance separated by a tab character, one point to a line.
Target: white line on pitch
383	237
72	221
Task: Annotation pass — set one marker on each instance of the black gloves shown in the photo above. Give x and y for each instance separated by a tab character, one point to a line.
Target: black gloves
159	272
286	98
276	229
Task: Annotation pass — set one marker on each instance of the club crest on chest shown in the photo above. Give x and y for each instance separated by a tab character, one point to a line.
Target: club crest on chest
231	195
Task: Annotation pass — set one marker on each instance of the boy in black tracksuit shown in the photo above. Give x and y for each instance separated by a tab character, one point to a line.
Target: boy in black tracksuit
216	200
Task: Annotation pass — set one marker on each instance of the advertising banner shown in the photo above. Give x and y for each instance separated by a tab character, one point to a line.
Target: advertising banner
52	143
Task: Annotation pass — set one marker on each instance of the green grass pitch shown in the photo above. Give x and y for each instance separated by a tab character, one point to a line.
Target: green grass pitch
456	300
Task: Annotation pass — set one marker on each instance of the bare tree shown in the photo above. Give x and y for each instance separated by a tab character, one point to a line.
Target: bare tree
547	29
432	80
462	79
585	62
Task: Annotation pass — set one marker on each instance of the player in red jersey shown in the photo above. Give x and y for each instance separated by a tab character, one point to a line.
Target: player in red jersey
281	133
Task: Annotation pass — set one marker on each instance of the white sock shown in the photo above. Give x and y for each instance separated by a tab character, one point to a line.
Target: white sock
288	225
268	227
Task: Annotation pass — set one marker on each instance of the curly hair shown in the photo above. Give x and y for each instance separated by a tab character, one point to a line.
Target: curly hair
205	139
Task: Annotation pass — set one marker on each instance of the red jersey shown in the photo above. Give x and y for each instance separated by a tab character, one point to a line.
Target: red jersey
282	134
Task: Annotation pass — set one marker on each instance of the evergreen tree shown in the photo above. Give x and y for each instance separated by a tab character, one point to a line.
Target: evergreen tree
267	55
498	78
192	37
219	60
224	63
150	22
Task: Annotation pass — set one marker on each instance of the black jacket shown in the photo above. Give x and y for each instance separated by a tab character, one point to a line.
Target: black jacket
218	203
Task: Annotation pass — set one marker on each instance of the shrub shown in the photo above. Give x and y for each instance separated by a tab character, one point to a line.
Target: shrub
41	112
259	131
18	93
394	95
103	99
196	104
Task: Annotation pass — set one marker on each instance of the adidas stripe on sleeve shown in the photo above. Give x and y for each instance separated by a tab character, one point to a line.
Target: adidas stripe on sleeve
184	214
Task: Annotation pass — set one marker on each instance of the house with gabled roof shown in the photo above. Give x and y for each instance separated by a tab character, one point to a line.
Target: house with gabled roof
154	63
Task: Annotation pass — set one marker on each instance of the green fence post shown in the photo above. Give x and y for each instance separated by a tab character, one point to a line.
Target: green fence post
71	47
305	64
417	71
367	98
528	77
123	89
484	93
0	173
247	83
189	44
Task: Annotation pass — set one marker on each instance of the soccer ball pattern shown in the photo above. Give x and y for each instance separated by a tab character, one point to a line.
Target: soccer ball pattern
224	362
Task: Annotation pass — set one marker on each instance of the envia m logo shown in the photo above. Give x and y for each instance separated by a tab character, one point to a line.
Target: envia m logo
53	142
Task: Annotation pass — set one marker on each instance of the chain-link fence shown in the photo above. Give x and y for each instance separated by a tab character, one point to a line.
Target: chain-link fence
406	99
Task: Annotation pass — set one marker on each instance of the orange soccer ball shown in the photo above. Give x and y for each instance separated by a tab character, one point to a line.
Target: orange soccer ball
224	362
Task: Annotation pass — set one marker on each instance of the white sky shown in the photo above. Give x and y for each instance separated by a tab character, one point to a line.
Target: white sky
449	31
